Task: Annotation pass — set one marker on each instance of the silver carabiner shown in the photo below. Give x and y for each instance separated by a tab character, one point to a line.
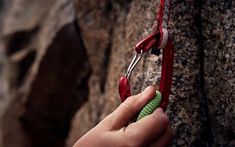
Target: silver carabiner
133	64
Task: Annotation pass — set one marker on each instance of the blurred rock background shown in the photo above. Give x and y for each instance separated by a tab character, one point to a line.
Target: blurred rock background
60	61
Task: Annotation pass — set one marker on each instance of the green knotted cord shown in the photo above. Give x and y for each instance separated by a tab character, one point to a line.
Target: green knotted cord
151	106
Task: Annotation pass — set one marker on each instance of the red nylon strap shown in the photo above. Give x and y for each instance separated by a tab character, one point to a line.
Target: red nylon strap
167	73
160	16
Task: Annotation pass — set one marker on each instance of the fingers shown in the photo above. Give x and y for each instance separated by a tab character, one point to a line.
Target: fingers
129	108
164	140
148	128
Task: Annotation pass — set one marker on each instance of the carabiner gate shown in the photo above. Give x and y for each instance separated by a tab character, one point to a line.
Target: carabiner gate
133	64
124	86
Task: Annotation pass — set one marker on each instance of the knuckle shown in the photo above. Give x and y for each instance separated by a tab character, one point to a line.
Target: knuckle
131	100
132	144
129	104
134	138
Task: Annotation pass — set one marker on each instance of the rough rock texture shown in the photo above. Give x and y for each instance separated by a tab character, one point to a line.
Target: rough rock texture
218	34
3	83
60	62
47	75
131	27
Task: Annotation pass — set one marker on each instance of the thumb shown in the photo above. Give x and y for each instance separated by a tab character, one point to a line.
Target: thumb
129	108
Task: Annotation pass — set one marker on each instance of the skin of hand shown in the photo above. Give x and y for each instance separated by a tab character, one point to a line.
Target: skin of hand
117	130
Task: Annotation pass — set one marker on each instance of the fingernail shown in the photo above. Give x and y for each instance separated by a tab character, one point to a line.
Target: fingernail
147	89
155	86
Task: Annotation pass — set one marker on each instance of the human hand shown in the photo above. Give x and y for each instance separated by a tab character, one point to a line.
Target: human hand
116	130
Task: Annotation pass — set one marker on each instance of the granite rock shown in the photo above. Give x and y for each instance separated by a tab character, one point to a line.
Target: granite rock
46	74
218	34
60	62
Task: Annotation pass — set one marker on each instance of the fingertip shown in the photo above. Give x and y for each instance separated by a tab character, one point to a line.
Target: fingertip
162	117
149	89
159	111
132	105
148	94
142	98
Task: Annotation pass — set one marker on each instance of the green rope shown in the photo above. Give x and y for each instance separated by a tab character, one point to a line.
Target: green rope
151	106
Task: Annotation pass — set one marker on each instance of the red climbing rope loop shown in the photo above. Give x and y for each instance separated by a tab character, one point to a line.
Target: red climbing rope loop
161	39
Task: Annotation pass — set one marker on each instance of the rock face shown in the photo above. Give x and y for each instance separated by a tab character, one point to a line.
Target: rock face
219	58
60	62
46	72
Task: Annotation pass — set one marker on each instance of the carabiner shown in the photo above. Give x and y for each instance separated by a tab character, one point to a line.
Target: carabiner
161	39
144	45
166	75
124	86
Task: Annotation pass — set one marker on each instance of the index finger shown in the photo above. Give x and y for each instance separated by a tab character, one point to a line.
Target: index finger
129	108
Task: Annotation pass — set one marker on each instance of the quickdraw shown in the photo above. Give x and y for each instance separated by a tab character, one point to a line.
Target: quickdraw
161	39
